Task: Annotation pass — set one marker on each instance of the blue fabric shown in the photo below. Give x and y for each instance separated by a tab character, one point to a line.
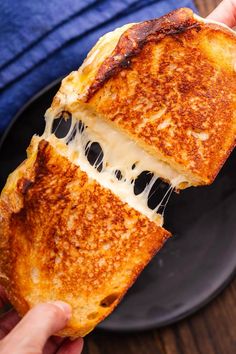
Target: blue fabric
41	41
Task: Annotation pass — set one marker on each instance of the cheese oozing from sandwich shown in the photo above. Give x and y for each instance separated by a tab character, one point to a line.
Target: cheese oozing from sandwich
118	163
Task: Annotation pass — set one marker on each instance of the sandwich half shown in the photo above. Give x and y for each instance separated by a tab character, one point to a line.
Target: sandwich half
168	85
152	102
64	236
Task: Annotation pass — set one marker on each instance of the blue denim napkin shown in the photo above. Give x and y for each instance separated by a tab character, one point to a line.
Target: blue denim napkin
41	41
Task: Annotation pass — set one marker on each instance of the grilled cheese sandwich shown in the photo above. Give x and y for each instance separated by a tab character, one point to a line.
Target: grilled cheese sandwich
154	99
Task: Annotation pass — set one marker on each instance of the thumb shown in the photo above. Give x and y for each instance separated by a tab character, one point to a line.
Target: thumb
225	12
32	332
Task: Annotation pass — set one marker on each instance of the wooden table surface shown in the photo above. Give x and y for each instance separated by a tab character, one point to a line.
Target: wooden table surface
211	330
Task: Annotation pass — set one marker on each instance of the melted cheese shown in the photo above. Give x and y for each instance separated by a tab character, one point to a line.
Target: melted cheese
206	20
119	153
75	86
95	58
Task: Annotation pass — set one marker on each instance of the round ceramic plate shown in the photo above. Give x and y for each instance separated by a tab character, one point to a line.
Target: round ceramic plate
194	265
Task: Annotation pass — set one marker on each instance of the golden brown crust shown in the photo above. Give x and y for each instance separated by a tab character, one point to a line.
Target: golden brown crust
70	239
170	84
177	95
134	39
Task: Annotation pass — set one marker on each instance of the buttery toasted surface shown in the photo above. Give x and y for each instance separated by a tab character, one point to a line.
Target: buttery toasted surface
63	236
170	85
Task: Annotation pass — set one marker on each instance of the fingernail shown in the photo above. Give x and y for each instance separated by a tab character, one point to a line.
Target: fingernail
64	307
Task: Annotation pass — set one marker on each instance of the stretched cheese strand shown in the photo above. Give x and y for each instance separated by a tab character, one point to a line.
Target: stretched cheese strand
118	152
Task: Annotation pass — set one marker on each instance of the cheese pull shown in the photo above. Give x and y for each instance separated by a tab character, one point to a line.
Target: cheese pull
151	109
113	160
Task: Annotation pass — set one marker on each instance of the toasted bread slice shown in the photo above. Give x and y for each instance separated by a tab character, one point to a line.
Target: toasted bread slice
64	236
169	85
156	96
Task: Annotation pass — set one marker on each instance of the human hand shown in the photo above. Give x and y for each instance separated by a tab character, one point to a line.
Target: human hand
225	12
33	333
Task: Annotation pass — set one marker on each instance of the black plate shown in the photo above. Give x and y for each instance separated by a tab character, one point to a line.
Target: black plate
192	268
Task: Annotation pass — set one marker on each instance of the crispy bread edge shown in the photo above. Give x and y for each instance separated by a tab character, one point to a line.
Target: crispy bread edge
133	39
11	201
74	333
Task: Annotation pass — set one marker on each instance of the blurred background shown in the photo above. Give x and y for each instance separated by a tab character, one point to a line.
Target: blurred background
41	41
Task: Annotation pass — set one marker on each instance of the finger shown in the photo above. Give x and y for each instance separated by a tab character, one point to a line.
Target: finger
72	347
37	326
53	344
7	322
225	12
